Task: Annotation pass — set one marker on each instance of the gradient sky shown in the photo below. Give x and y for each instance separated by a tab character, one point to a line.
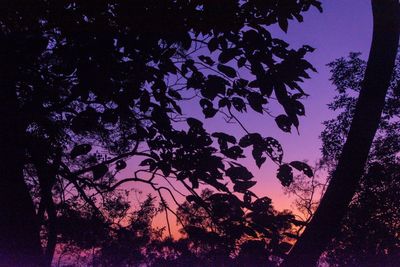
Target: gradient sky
344	26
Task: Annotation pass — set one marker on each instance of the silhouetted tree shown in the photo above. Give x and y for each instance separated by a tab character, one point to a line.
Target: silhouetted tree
332	209
235	233
369	232
111	76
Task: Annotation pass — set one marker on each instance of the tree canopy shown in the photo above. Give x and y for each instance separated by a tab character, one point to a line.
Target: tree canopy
90	84
369	232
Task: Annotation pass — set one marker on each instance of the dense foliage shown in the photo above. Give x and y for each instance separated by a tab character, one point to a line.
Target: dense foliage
91	84
226	235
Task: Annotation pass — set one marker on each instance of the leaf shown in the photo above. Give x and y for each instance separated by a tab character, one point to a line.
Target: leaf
174	94
274	149
228	71
214	85
250	139
283	23
208	110
241	62
256	101
261	204
285	175
194	123
243	186
224	102
207	60
99	171
120	165
303	167
247	198
238	173
257	155
212	44
226	137
233	152
238	104
147	162
79	150
284	123
227	55
299	108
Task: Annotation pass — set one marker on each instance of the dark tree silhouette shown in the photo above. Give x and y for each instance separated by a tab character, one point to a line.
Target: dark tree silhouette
345	179
232	233
112	76
369	233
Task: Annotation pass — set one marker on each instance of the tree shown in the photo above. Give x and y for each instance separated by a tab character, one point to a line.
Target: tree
326	221
233	233
111	76
369	232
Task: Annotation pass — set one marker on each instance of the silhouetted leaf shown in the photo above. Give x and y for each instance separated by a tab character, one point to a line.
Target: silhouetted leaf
256	101
227	55
120	165
99	171
261	204
238	173
250	139
225	137
285	175
283	23
301	166
299	108
247	198
238	104
79	150
274	149
243	186
284	123
207	60
233	152
241	62
213	44
194	123
174	94
228	71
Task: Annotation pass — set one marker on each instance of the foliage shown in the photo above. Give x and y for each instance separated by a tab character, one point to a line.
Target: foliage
369	232
102	82
230	235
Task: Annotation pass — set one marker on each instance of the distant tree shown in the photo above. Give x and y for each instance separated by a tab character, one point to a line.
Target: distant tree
326	221
233	233
112	76
369	232
369	235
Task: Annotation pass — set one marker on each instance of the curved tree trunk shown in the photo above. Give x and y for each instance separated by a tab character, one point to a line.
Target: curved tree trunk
19	230
326	221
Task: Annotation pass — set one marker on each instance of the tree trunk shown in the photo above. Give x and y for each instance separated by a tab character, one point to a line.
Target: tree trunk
326	221
46	173
19	231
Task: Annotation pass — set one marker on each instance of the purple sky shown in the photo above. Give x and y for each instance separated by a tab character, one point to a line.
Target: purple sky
344	26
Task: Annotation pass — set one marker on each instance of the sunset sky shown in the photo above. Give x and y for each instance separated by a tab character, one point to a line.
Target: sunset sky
344	26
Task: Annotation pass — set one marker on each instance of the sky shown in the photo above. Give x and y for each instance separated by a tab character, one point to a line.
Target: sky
344	26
